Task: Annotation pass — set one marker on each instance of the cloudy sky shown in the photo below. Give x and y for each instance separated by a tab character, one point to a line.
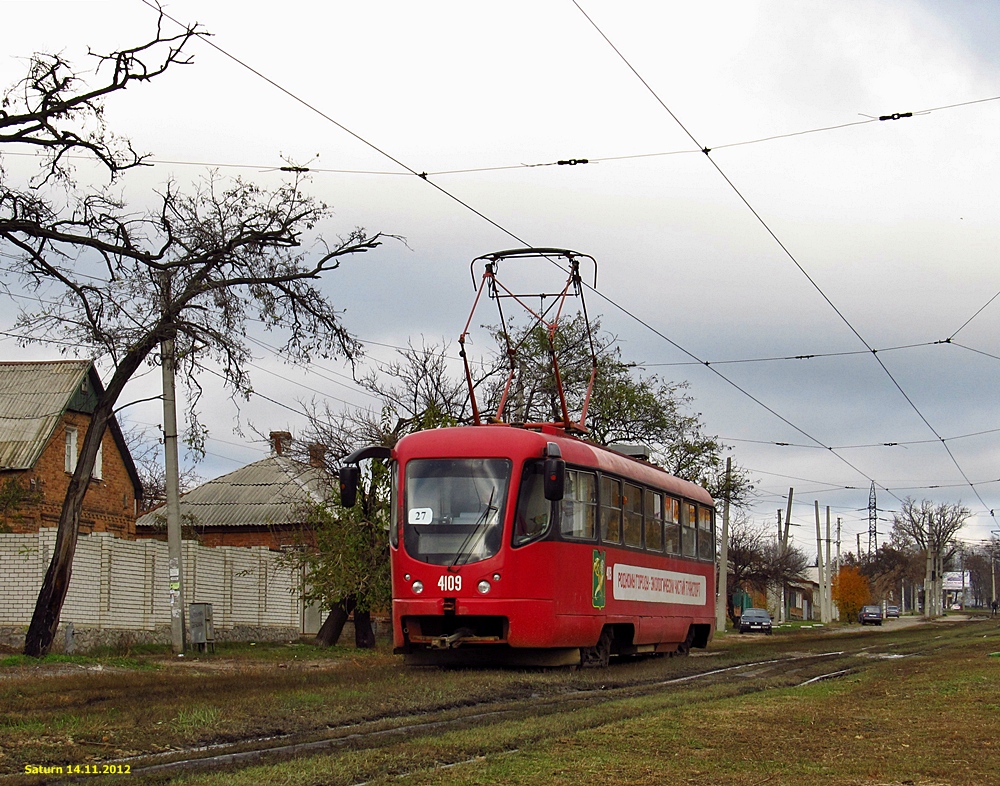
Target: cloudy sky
823	279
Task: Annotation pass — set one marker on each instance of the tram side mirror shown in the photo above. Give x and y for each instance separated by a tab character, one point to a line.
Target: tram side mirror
555	479
349	475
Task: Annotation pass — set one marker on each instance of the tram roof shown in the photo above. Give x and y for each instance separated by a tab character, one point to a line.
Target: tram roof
504	440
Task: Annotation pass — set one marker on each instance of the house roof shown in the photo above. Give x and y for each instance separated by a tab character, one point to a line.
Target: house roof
269	492
34	396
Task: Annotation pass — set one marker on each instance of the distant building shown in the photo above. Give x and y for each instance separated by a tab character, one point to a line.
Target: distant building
265	503
45	411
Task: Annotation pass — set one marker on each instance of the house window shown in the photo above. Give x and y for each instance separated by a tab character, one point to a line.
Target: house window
71	448
98	472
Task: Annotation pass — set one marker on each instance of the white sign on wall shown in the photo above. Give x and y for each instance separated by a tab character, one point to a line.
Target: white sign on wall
649	585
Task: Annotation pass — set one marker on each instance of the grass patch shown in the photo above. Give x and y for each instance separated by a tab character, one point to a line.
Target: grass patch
196	721
928	720
79	714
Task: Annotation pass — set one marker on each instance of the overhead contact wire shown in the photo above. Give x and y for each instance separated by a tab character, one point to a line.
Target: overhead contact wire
787	253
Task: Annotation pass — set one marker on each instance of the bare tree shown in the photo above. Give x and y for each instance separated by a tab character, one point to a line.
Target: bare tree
417	392
931	527
349	565
147	454
51	110
748	569
784	564
118	283
892	565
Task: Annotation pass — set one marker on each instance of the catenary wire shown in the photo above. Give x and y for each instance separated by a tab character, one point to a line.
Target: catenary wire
787	253
495	224
511	234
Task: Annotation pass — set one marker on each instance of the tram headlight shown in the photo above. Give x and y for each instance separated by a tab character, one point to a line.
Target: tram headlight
418	587
496	577
483	587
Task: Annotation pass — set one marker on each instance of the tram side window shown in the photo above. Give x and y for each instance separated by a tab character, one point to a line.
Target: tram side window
611	510
706	542
654	521
689	524
579	505
632	504
534	512
672	527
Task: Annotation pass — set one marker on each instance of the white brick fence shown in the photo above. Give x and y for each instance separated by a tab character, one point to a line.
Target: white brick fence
121	585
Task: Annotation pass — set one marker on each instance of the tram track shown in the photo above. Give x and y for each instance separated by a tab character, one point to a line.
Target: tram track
753	676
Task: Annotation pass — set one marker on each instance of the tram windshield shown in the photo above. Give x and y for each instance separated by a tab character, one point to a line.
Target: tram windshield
454	509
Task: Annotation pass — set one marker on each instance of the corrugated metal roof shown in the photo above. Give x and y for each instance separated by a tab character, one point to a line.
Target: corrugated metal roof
33	397
270	492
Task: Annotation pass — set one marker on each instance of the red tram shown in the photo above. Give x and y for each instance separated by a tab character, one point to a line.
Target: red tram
525	544
533	547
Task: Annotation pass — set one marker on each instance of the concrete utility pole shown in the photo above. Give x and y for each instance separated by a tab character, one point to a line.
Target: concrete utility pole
788	519
828	596
722	598
782	612
993	571
838	544
819	569
174	567
961	556
838	569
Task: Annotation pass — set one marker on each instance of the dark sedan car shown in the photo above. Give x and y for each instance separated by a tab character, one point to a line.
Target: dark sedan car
870	615
755	620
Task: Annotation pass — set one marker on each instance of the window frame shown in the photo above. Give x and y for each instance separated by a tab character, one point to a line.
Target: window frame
669	514
72	449
606	509
689	529
706	533
633	514
655	515
585	505
534	468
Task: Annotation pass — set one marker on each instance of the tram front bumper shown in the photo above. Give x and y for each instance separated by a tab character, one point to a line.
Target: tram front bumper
446	623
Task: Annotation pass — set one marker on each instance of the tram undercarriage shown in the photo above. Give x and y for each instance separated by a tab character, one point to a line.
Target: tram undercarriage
434	640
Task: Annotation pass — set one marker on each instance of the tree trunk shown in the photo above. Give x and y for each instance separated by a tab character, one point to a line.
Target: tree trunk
364	636
329	633
48	607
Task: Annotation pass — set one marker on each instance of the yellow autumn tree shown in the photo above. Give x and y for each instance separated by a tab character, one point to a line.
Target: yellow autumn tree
851	591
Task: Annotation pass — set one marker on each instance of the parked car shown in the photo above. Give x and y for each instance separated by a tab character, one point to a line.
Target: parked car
755	620
891	611
870	615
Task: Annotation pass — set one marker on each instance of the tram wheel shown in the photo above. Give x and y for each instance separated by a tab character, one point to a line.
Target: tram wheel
685	646
599	656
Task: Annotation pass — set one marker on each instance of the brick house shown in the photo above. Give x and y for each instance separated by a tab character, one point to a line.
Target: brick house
45	411
262	504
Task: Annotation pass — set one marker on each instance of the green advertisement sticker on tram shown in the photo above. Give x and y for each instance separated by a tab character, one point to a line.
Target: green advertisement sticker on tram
597	574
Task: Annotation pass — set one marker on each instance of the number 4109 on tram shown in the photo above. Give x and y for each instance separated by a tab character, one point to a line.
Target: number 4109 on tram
530	546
